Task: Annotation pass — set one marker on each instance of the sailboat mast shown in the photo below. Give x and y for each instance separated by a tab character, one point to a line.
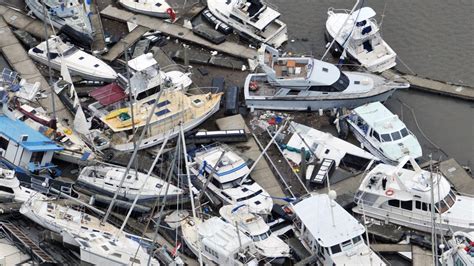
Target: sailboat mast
188	175
340	30
433	216
50	73
132	159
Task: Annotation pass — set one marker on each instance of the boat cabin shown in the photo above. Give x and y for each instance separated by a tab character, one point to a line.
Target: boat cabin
23	147
329	231
405	195
385	131
220	242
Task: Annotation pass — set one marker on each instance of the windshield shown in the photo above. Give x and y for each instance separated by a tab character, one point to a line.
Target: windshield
342	83
448	201
236	183
261	236
249	196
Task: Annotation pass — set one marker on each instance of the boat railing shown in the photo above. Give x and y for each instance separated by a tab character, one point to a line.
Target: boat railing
174	67
332	9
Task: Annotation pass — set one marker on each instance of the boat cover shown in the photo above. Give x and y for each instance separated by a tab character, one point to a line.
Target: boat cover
108	94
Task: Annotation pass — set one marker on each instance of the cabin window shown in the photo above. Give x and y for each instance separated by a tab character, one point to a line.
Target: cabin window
418	205
376	135
37	157
356	239
162	112
404	132
342	83
396	135
6	189
407	205
293	92
394	203
3	143
386	137
335	249
236	19
250	196
346	244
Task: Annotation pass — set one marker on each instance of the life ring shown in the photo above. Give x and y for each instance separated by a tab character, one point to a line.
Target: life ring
389	192
253	86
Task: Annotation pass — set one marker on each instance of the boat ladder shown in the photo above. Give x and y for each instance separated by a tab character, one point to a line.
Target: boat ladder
32	248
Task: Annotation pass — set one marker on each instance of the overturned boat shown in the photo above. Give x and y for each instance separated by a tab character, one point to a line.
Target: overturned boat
304	83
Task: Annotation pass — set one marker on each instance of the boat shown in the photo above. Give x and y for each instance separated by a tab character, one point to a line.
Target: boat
70	16
253	19
174	108
330	232
383	133
97	248
269	246
218	242
218	25
308	84
77	61
460	250
225	183
12	190
154	8
75	149
106	179
63	220
359	34
404	197
324	146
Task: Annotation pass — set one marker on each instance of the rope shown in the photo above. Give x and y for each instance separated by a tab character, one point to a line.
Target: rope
383	14
405	65
419	128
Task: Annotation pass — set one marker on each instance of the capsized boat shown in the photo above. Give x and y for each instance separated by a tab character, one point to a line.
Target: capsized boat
71	16
305	83
77	61
106	180
402	196
253	19
269	246
360	35
329	231
225	183
154	8
383	133
218	242
173	109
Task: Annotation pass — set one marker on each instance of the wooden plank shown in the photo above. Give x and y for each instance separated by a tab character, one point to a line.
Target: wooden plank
124	43
391	247
179	31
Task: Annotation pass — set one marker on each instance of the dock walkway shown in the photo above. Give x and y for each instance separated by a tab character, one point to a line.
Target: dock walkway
19	60
23	22
178	31
124	43
434	86
262	174
457	176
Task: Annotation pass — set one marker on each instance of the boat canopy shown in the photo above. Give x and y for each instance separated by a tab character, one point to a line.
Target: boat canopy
108	94
363	14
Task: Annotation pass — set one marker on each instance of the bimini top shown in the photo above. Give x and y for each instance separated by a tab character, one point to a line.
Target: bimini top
315	213
378	117
15	129
363	14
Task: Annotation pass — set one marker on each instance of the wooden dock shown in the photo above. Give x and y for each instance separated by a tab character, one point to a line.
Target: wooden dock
19	60
433	86
124	43
454	172
262	174
178	31
21	21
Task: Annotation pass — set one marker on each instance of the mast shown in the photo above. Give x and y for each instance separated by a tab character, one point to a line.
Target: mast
340	30
132	159
50	73
434	244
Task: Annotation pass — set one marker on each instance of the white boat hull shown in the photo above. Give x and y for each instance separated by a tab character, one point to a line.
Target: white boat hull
149	9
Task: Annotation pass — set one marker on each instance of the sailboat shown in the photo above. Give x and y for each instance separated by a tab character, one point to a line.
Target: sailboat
106	179
79	62
174	108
